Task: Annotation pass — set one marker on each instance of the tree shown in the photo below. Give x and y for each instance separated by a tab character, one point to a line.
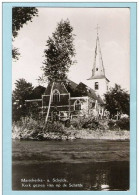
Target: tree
59	53
15	53
20	16
23	91
38	92
117	100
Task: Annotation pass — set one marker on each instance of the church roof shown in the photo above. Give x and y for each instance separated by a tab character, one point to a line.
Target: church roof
98	77
72	84
57	85
75	90
84	90
98	71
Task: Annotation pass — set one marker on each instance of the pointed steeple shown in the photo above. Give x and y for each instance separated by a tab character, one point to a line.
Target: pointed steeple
98	70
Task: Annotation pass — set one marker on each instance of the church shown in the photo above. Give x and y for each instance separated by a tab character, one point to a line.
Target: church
72	99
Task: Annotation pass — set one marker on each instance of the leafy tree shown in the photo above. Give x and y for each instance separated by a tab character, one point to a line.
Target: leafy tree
59	53
23	91
20	16
38	92
15	53
117	100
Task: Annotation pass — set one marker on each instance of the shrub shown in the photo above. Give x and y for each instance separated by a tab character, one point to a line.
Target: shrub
90	123
28	128
75	122
38	125
54	127
29	123
86	123
123	123
111	124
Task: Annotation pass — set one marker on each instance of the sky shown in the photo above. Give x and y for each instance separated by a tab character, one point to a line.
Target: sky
114	34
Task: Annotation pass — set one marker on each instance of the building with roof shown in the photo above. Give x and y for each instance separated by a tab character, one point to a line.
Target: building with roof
76	99
68	98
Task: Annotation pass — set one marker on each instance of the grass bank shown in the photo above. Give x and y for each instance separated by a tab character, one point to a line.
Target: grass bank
79	128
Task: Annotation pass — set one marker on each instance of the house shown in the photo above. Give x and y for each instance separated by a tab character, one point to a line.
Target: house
69	98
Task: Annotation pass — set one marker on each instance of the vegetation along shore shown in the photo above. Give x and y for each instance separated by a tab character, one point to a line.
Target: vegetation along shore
79	128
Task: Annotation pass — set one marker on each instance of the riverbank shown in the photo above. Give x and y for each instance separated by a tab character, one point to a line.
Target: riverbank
78	128
70	134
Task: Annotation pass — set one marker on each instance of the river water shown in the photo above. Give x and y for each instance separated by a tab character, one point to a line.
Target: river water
70	165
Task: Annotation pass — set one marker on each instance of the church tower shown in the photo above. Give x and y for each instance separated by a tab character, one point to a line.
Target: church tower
98	80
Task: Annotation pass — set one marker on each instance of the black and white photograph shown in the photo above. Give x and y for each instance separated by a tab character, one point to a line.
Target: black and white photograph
70	99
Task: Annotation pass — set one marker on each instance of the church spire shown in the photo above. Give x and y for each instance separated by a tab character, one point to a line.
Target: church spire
98	81
98	70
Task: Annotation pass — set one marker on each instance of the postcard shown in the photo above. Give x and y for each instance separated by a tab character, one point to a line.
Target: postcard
69	98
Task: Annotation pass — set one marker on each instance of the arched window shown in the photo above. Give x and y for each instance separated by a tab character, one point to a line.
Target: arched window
56	95
77	105
93	104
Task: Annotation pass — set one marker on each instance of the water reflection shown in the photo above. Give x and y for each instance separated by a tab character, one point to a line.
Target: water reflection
93	176
85	164
102	180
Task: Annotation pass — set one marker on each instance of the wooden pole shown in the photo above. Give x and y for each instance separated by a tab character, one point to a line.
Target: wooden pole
50	100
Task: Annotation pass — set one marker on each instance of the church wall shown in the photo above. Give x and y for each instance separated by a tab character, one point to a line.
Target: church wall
63	100
102	86
62	104
83	106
